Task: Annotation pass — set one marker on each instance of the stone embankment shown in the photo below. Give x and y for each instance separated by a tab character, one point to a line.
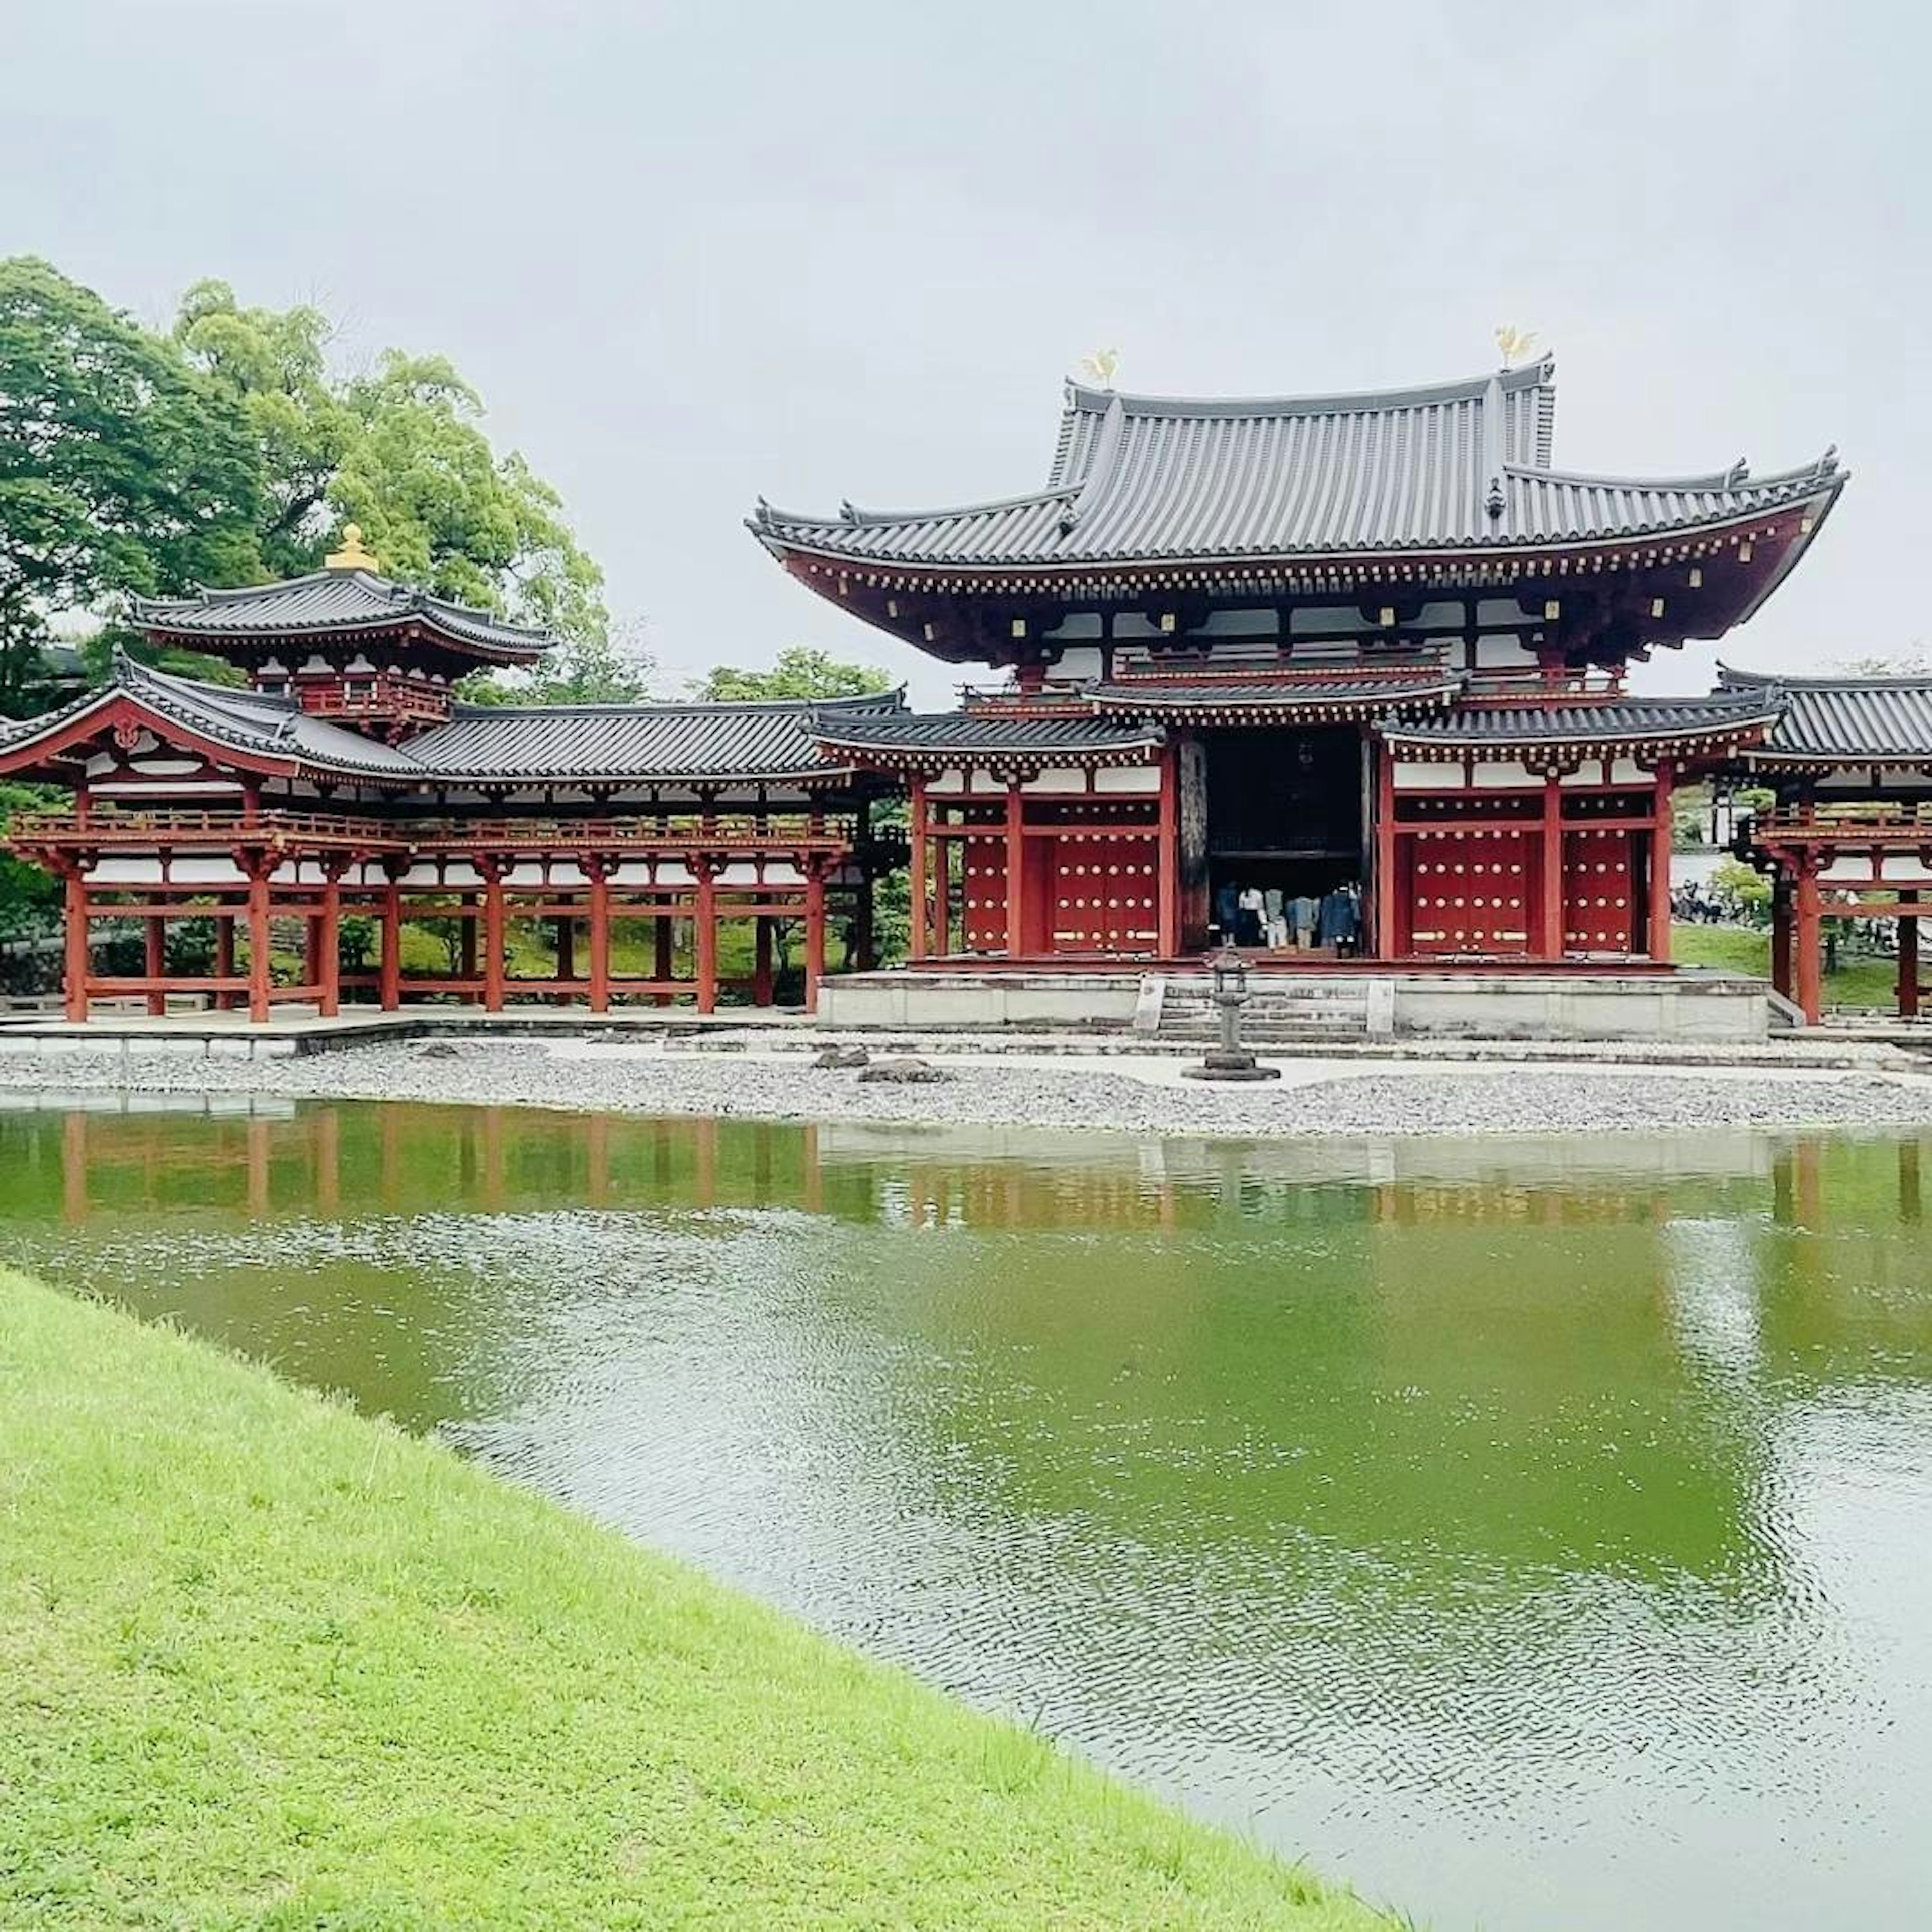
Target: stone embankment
1116	1092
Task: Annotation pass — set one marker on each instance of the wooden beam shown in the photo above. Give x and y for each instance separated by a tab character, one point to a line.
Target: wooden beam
1550	936
915	946
600	941
259	980
154	949
389	985
329	934
495	942
1659	947
814	936
1016	945
76	948
705	938
1167	861
1387	925
1809	990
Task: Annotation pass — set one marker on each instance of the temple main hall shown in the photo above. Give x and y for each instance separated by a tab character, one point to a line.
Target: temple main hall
1341	681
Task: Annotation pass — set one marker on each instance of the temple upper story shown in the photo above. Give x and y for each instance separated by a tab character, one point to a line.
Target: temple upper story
1311	527
345	642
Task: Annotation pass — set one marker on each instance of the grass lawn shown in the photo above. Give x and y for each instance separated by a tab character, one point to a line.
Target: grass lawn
264	1663
1859	982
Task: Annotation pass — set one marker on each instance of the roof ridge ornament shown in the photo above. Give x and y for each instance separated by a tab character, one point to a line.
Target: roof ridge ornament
1738	475
352	555
1495	501
1517	344
1101	367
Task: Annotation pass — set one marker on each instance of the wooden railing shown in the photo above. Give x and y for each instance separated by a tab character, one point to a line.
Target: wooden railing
1862	823
669	833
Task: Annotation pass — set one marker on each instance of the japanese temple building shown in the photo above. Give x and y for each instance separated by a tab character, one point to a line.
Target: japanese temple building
345	779
1341	680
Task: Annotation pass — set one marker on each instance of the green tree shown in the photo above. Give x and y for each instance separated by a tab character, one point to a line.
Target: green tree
601	669
30	899
800	672
122	468
399	449
275	367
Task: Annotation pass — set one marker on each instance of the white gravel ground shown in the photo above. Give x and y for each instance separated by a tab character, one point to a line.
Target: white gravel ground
1130	1094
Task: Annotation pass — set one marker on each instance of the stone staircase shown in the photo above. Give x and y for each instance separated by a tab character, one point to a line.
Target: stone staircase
1281	1008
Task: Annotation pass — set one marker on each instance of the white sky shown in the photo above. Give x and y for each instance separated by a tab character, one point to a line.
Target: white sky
692	253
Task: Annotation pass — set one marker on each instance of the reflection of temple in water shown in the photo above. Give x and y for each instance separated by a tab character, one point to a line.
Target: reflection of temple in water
1551	1314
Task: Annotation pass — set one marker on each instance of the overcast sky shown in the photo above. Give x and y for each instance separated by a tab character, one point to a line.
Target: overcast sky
691	254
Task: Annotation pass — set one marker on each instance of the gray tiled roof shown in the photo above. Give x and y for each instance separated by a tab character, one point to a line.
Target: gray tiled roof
761	741
1339	693
343	601
981	734
1459	466
584	743
1645	720
1853	719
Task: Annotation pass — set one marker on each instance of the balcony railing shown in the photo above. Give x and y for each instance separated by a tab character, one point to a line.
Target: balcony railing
671	833
1861	823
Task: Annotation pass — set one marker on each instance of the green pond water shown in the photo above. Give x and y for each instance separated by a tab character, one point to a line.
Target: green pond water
1537	1534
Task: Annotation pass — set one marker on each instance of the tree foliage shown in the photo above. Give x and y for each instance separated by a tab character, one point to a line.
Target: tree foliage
229	451
606	668
122	469
399	448
30	899
800	672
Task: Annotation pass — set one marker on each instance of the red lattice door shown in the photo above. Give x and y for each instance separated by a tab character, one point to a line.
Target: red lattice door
1469	892
1599	908
983	886
1104	894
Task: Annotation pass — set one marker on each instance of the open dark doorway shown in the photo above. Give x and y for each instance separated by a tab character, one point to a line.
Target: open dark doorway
1285	848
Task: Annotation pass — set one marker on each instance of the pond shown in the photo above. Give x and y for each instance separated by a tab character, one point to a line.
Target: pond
1533	1533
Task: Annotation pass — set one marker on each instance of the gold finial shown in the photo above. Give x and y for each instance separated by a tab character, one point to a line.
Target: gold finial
352	555
1099	367
1516	343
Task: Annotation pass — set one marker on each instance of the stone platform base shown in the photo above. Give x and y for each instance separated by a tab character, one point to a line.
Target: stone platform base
1468	1005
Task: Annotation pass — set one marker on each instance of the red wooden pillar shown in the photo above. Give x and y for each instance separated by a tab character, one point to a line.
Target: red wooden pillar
1908	959
942	892
224	957
1167	858
1810	990
1015	871
389	990
664	949
259	980
761	962
1780	931
1387	942
915	944
493	941
600	940
814	935
77	956
328	943
153	961
466	955
1549	939
1660	866
566	948
705	939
